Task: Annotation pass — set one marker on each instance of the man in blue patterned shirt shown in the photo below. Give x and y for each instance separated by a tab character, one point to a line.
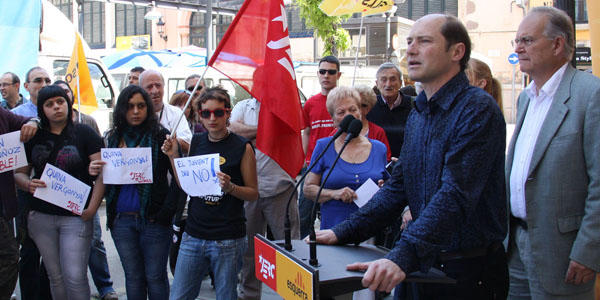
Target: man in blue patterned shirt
450	173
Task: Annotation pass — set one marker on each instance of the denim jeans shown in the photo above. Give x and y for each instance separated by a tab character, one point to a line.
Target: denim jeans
64	243
97	262
143	248
197	255
33	278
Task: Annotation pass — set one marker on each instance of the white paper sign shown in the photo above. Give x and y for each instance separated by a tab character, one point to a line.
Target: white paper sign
365	192
127	165
12	152
198	174
63	190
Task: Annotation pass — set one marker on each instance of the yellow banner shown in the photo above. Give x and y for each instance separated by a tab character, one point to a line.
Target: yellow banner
141	42
347	7
78	74
293	281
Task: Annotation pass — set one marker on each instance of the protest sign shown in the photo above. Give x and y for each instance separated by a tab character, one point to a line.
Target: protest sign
63	190
12	152
198	174
127	165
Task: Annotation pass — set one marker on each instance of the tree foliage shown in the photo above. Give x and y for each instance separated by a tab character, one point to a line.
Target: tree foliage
327	28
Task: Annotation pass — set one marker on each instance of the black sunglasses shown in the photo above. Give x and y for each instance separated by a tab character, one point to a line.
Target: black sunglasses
331	71
191	88
219	112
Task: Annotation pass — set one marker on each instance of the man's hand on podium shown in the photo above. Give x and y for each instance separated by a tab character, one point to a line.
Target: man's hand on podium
326	237
381	275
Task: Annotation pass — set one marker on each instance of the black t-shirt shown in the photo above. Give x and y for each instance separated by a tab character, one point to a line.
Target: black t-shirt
218	217
69	152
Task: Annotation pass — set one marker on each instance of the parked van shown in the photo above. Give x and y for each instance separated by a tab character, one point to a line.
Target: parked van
175	80
57	39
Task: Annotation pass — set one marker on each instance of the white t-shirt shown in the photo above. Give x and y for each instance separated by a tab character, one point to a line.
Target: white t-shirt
169	116
272	179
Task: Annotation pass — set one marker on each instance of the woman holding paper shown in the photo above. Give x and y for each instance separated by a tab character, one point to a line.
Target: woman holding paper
215	233
361	160
60	233
139	215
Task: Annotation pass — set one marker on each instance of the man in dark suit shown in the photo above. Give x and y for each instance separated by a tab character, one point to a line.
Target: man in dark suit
553	167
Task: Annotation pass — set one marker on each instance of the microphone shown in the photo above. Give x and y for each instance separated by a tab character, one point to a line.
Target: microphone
343	127
353	131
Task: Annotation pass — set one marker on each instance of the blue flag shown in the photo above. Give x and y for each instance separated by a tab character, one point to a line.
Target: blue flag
19	36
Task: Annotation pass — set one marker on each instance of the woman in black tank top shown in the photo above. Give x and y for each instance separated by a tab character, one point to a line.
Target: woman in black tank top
215	233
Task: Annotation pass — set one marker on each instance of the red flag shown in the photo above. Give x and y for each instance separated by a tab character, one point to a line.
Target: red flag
255	53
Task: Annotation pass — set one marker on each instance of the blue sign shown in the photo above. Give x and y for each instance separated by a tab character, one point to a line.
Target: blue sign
513	59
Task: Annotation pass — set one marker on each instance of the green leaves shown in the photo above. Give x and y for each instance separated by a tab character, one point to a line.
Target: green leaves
326	28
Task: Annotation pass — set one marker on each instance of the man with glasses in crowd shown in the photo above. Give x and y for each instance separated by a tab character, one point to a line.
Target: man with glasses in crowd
190	83
553	166
9	87
35	80
318	124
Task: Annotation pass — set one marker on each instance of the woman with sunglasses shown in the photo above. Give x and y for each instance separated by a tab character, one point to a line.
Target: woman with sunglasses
139	215
62	237
215	233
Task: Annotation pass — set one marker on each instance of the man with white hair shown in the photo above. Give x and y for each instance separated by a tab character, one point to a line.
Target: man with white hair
168	115
553	166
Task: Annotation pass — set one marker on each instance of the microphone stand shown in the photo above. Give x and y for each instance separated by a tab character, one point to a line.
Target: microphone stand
287	224
313	236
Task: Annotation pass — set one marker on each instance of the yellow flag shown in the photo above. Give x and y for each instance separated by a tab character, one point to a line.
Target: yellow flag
78	74
347	7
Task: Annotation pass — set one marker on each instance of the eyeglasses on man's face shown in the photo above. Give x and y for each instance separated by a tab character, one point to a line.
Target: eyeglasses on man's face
524	40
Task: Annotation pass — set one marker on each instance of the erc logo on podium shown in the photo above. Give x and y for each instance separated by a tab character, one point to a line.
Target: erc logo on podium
286	277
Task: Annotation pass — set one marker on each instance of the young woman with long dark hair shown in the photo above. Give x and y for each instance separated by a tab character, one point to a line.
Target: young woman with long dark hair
139	215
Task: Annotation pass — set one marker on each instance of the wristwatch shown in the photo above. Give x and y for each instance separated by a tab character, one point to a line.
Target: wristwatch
36	120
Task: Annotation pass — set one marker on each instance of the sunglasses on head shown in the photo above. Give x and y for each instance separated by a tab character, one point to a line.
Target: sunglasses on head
219	112
330	71
191	88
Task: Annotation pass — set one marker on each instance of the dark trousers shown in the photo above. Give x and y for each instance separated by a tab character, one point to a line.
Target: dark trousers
9	256
484	277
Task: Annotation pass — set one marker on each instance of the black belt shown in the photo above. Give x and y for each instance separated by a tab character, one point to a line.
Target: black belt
470	253
514	221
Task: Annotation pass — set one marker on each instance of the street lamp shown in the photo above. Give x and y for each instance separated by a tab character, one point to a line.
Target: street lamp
388	14
160	25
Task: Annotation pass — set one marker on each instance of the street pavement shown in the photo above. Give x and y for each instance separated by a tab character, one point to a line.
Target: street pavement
118	276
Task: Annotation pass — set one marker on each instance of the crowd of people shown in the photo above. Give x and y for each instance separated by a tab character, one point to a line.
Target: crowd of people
516	224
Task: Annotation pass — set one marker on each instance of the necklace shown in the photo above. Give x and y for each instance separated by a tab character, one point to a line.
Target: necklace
213	139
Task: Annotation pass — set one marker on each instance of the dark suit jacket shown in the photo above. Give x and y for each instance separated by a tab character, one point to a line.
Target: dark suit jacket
562	191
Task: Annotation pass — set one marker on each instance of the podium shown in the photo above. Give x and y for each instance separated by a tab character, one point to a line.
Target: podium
290	275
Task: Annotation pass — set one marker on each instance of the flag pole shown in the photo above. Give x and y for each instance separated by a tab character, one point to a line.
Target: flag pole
187	103
78	94
362	17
